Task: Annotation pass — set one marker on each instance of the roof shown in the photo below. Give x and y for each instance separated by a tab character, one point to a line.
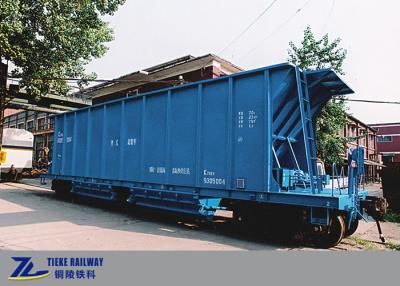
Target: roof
385	124
158	73
362	123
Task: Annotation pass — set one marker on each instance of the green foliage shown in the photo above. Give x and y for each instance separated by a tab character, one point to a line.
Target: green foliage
371	245
317	54
362	243
393	246
392	217
330	145
50	40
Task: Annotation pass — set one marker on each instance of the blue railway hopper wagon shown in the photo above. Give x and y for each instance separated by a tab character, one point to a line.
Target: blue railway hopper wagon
243	142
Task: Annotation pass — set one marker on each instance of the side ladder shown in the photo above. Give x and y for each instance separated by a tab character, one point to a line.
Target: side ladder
307	125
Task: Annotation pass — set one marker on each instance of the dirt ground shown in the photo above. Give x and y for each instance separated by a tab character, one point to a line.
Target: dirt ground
31	218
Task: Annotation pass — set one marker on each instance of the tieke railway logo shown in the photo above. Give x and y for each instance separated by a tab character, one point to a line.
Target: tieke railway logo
24	270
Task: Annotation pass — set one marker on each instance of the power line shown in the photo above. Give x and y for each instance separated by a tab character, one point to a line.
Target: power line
100	80
248	27
277	29
329	16
372	101
180	81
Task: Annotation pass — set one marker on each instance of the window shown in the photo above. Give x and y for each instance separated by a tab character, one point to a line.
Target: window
39	150
40	123
50	123
384	139
29	126
21	125
387	158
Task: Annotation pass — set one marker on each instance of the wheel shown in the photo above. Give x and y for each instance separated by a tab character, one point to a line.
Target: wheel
352	229
62	188
122	196
244	218
332	235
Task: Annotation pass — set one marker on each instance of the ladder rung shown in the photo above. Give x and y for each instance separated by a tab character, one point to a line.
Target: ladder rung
308	118
310	138
306	100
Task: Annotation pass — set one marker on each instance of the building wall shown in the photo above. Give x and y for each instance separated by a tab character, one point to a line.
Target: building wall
389	141
361	134
40	124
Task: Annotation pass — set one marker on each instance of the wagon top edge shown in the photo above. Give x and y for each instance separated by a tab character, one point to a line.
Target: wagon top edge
326	78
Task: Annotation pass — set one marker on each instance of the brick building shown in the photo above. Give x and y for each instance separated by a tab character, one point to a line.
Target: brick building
177	71
388	141
364	135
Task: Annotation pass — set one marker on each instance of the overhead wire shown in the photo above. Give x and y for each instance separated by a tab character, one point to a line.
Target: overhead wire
97	80
290	18
174	81
372	101
329	16
248	27
180	81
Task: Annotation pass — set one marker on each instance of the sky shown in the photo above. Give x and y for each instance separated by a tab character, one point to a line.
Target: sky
149	32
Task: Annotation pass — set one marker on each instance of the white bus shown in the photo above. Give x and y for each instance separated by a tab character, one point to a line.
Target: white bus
18	146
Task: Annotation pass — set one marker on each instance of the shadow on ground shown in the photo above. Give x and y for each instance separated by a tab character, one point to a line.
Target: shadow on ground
47	208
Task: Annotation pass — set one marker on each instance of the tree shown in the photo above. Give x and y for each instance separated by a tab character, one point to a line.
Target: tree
317	54
50	40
